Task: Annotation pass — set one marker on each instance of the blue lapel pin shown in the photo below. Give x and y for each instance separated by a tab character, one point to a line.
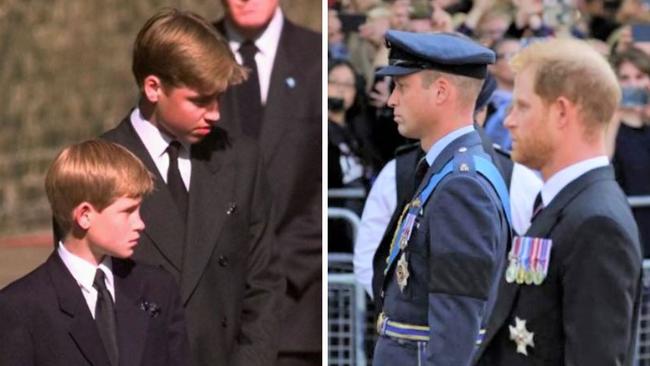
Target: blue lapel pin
291	82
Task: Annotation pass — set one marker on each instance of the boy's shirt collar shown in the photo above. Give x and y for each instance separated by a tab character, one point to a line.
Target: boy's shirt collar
155	141
84	272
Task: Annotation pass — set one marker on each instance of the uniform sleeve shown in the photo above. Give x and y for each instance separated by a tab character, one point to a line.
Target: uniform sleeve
466	248
601	278
379	207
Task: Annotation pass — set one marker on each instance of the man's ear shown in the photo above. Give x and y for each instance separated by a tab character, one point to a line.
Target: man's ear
152	87
565	112
82	215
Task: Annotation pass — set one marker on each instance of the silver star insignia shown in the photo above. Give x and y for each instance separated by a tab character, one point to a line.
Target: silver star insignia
521	336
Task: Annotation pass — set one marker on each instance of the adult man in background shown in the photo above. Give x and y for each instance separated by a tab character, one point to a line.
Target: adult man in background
571	291
280	106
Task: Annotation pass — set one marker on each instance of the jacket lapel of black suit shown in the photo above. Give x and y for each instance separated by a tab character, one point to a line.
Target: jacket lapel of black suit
283	89
541	227
83	329
163	223
132	322
211	190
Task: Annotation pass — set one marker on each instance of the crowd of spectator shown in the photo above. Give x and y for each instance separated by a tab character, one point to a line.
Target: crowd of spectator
362	135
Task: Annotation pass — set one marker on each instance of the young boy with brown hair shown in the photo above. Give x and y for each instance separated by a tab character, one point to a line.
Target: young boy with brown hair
88	304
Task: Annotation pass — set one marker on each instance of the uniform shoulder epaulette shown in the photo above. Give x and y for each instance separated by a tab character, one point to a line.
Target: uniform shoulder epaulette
406	148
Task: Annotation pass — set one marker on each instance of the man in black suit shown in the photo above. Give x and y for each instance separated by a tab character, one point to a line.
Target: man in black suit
571	290
88	304
280	106
207	217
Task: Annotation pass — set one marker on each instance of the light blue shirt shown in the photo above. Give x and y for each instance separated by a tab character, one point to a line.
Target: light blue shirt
441	144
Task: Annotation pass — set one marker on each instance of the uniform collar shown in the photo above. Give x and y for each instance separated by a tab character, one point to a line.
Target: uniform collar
441	144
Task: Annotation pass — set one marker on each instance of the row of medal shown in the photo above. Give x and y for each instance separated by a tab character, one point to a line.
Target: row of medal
528	260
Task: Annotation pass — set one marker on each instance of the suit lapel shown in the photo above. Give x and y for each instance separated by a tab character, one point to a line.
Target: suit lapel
83	329
132	322
164	224
211	192
541	227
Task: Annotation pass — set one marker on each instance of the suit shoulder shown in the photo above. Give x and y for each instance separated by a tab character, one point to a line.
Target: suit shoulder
26	288
146	272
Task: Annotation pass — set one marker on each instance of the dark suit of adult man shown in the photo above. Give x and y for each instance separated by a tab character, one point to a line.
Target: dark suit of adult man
46	320
228	287
290	142
595	251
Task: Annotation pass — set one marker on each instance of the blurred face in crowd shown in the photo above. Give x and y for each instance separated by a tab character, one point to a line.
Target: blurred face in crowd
334	34
501	68
341	84
411	102
420	25
529	123
399	15
250	16
630	76
492	28
373	30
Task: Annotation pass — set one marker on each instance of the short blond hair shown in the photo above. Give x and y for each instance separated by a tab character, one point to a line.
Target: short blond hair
95	171
184	50
574	70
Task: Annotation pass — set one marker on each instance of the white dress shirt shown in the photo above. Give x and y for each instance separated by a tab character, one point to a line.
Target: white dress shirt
84	273
525	184
156	143
267	45
561	179
379	207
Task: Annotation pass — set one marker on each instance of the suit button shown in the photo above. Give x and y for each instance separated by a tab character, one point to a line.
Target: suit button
223	261
224	322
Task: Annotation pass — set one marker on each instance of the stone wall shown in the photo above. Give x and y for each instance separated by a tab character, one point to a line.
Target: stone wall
65	76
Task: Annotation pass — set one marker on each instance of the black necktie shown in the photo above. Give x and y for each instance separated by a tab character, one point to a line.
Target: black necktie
250	103
538	206
174	180
420	171
105	317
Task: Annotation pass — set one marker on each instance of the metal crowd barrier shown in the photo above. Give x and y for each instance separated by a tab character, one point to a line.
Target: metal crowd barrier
346	300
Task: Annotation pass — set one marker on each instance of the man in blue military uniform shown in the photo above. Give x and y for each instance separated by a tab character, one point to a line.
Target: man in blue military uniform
447	248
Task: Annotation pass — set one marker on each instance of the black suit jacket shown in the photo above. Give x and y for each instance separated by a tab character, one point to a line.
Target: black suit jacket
46	321
226	264
290	142
585	311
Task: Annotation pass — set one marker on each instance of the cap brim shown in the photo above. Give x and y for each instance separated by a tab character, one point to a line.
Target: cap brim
392	70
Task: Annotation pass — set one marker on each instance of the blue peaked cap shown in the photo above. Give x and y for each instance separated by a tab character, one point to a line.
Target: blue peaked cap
447	52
